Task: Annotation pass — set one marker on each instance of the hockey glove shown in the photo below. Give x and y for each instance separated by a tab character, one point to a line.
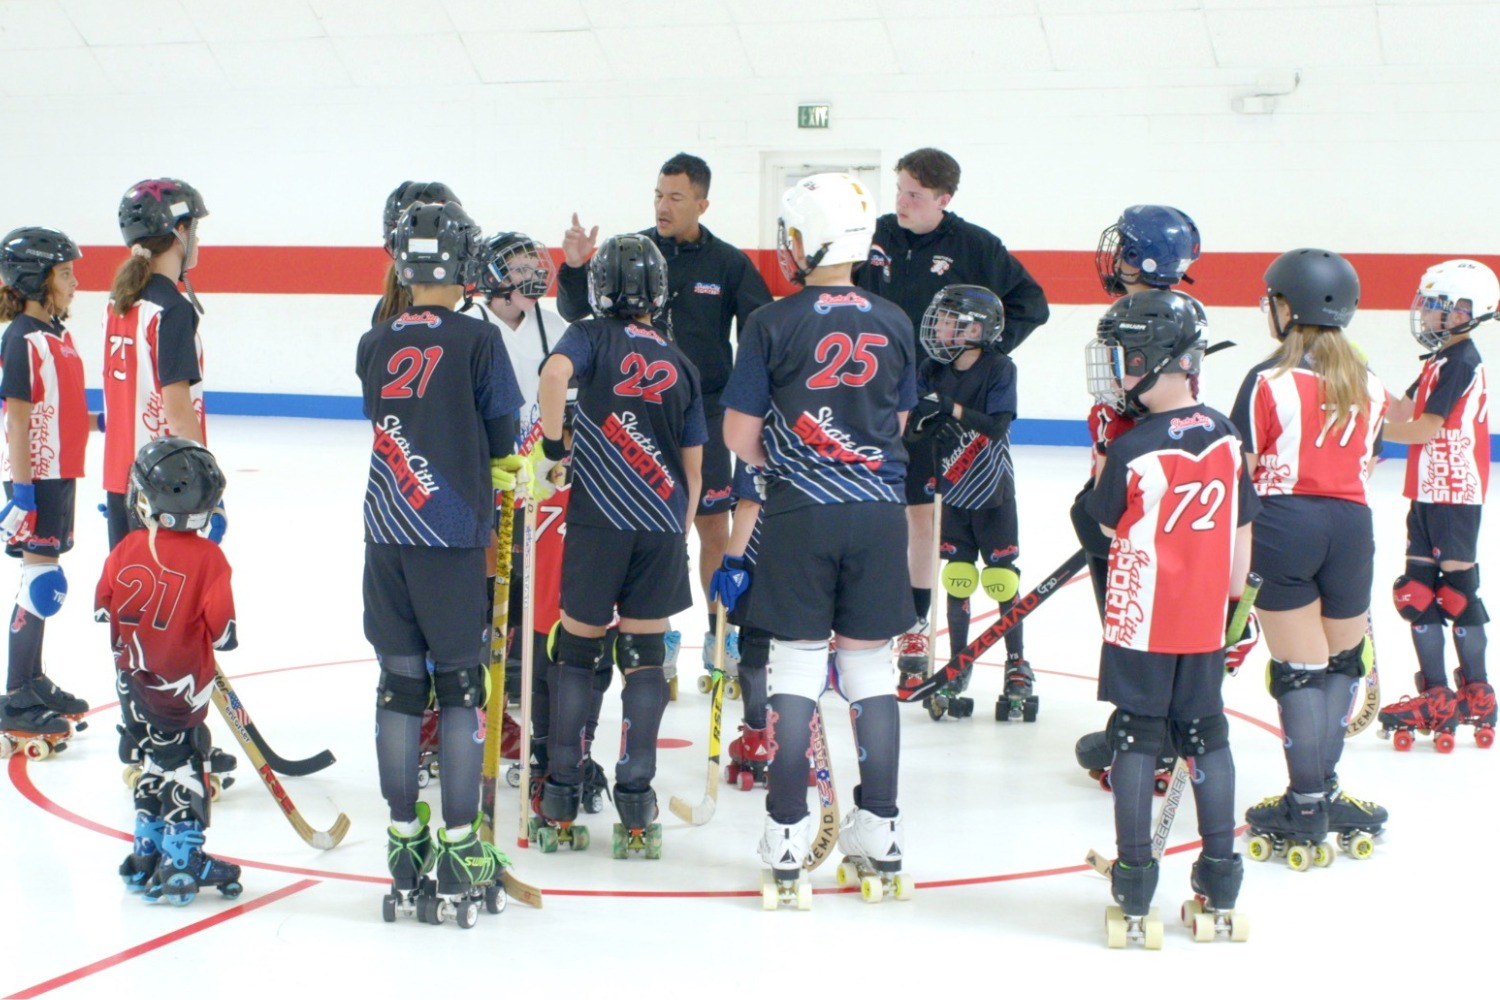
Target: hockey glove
1238	649
18	517
503	472
542	459
218	523
931	412
730	582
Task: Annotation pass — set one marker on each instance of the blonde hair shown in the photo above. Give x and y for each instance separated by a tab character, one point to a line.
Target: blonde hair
135	271
1343	378
396	298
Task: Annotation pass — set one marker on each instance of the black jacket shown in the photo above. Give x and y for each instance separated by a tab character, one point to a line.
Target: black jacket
909	270
710	284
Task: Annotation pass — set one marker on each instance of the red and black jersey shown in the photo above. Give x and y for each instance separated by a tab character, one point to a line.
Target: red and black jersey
639	406
1453	467
977	468
546	580
155	343
432	380
829	369
1300	450
40	365
166	619
1175	490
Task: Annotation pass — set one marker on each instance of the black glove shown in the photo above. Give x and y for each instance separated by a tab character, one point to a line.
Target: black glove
932	411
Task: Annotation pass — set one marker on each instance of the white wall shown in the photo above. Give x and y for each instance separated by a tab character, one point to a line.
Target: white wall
297	117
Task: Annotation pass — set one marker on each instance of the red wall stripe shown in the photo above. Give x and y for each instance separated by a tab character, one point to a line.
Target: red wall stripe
1220	279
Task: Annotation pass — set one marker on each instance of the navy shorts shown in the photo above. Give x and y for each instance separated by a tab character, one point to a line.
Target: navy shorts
54	518
837	567
921	474
989	535
1162	685
643	573
422	599
1314	548
718	471
1443	531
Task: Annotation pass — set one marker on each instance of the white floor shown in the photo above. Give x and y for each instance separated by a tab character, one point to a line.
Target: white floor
998	817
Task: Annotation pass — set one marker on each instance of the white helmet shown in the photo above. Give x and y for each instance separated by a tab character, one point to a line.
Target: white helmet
835	217
1439	295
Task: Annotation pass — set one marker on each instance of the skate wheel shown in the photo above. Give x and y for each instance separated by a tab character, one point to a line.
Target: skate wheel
513	776
1002	709
131	776
1299	858
871	889
468	914
705	684
180	889
6	748
1402	741
1030	709
1104	780
1114	926
438	914
1189	911
1154	930
427	910
1361	846
231	890
593	803
1239	927
846	874
495	898
653	842
903	887
388	908
580	841
747	781
36	749
1322	855
215	788
732	690
546	839
1259	848
618	842
1161	784
1444	742
424	778
672	689
804	893
731	774
1484	736
770	899
1204	928
936	706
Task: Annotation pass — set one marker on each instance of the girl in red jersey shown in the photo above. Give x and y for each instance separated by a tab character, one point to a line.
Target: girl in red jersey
1445	419
1310	415
46	429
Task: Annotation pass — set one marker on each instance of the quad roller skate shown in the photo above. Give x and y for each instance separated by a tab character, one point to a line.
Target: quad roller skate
1476	707
595	786
749	758
145	851
29	727
556	807
427	749
183	868
638	832
1216	887
1096	756
1283	827
731	664
467	873
949	699
1354	822
672	640
1133	918
69	706
409	859
783	847
912	654
1433	710
872	856
1017	702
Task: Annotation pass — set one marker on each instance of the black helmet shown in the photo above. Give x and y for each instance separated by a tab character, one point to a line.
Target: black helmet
628	277
1147	334
156	208
407	194
1320	287
176	484
28	255
514	262
962	306
437	245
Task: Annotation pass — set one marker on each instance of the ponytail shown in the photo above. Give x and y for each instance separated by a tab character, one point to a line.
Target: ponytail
1343	379
135	271
395	300
11	304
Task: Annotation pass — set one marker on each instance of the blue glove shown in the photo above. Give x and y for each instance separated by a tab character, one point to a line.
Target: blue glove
218	523
729	583
18	517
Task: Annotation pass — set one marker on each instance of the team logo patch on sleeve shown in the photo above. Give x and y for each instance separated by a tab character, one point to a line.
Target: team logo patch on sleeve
1181	425
707	288
827	303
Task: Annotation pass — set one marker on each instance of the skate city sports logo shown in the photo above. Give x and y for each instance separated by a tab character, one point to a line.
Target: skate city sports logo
414	481
639	453
714	497
638	332
827	302
1181	425
427	319
819	434
707	288
43	415
1122	610
969	451
1000	555
947	550
1447	476
941	264
878	256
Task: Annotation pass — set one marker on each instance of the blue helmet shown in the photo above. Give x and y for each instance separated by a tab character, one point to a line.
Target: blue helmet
1157	240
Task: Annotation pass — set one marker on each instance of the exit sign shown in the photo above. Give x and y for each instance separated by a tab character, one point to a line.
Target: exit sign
812	115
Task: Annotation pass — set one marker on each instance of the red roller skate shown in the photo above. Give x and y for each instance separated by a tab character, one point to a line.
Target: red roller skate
1433	710
1476	707
749	757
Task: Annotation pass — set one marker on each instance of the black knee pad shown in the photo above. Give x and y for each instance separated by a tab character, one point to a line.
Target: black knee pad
403	695
1131	733
755	648
461	687
1282	678
632	650
131	736
175	750
1458	597
1415	594
1350	662
575	650
1201	736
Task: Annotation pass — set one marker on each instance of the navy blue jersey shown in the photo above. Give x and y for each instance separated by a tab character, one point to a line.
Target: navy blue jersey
828	369
639	405
432	379
976	467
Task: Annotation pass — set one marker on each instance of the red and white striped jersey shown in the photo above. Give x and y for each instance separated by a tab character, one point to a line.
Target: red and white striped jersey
41	366
156	343
1175	491
1453	467
1300	451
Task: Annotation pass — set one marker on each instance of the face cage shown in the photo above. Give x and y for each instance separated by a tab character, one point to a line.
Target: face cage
938	347
1104	370
1435	340
524	269
786	257
1107	262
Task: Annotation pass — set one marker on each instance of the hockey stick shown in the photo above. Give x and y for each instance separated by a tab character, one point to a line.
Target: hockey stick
494	716
1182	770
937	563
965	658
1371	707
827	835
290	768
704	811
528	665
234	713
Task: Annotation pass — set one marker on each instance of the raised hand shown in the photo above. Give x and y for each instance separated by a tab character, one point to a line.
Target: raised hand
578	244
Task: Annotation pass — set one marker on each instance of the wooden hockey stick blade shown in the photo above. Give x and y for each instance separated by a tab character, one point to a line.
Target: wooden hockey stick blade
1098	862
1370	707
704	811
520	891
826	837
291	768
